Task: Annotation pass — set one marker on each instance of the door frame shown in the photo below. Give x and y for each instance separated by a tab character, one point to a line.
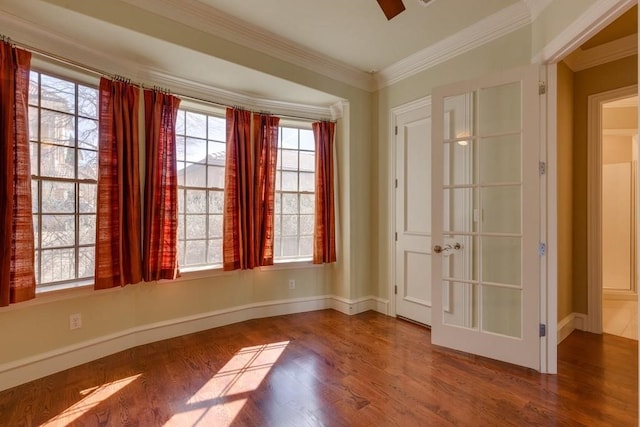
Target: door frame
594	19
391	156
594	202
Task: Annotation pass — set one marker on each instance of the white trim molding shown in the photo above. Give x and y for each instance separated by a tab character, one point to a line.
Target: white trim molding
484	31
594	19
40	365
594	202
569	324
581	59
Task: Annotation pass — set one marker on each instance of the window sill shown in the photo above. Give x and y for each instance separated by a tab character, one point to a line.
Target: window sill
291	264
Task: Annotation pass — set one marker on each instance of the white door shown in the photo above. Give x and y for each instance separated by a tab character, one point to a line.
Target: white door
485	217
413	214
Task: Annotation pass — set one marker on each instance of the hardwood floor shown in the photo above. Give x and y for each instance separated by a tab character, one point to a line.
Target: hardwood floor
326	368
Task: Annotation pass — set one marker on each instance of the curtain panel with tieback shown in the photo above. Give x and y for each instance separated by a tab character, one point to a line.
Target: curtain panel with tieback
118	221
265	140
324	234
17	270
238	221
160	257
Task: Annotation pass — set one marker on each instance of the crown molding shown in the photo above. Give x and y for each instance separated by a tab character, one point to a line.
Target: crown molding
581	59
594	19
209	20
488	29
205	92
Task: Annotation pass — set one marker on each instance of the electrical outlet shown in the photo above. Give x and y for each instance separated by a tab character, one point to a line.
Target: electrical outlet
75	321
292	284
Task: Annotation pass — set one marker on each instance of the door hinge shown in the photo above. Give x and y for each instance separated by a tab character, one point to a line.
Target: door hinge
396	236
542	88
396	289
542	249
396	131
396	183
542	168
543	330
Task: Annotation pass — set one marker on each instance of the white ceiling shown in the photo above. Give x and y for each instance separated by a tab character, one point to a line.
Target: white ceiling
347	40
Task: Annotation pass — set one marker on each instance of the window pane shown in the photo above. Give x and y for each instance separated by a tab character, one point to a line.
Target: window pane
180	147
289	160
58	197
290	246
196	175
88	133
290	204
88	194
306	246
181	173
289	225
181	226
87	164
216	201
215	252
86	265
196	226
58	94
34	121
289	138
57	162
195	253
215	226
196	201
215	177
33	153
57	265
307	203
289	181
34	196
196	125
57	128
180	123
217	128
196	150
88	102
306	140
87	229
58	231
34	90
307	181
306	225
307	161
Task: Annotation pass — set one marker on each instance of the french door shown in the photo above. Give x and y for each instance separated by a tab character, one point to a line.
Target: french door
485	217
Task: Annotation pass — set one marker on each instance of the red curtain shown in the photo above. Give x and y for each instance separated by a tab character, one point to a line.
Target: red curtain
324	234
160	258
265	139
238	222
118	236
17	277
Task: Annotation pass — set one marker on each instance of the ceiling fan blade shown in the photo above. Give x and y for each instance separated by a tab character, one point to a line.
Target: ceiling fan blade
391	8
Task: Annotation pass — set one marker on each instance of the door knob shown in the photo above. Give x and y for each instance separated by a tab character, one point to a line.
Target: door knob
437	249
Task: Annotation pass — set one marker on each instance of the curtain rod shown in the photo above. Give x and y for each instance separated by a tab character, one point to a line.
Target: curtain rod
101	73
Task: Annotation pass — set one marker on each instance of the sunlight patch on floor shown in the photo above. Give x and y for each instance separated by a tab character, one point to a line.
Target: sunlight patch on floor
222	398
93	397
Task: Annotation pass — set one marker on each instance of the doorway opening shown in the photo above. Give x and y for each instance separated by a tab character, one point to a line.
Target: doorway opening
618	140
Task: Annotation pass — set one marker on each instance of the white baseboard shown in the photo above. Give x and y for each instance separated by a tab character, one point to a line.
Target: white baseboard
34	367
571	323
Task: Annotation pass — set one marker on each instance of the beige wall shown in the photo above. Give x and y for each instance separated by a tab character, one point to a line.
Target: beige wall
617	149
620	118
565	190
616	74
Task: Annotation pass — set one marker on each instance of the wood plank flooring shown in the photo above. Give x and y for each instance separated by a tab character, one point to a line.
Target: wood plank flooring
326	368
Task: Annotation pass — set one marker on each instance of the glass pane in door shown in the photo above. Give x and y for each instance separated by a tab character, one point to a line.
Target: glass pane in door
499	109
501	311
